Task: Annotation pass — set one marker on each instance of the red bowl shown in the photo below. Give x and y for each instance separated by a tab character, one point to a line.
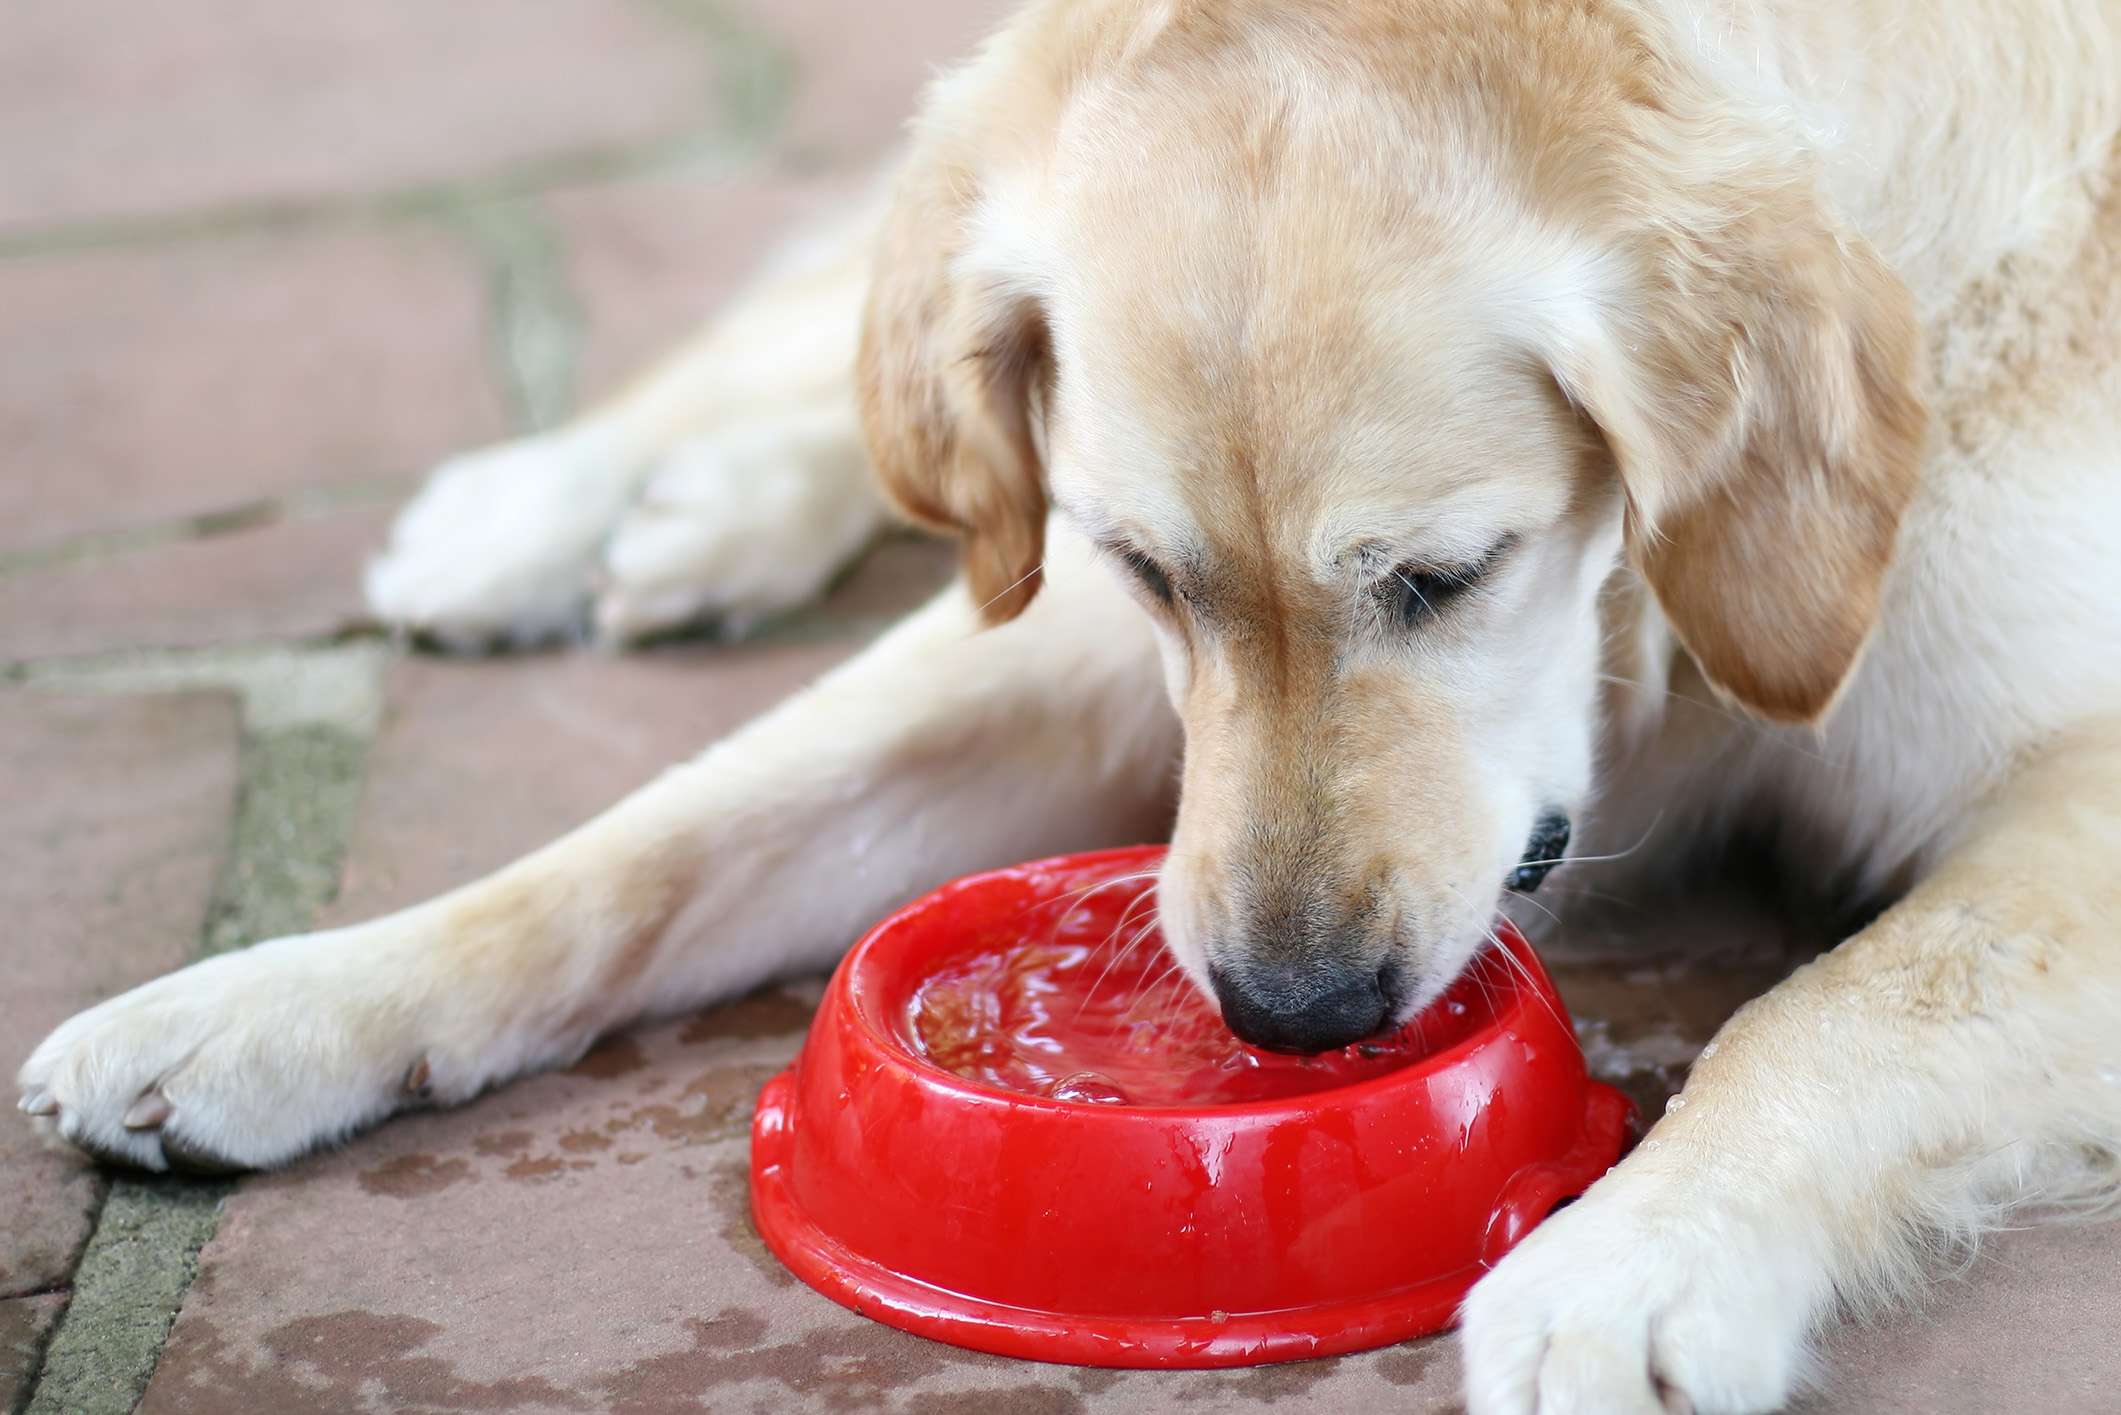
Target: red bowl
1171	1235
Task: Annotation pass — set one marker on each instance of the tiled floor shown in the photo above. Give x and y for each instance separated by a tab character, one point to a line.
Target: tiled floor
259	266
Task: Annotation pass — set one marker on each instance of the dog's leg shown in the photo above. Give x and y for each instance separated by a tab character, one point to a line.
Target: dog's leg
1962	1052
728	483
941	750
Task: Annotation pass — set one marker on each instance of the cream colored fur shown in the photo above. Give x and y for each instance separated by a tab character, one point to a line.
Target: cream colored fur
1690	382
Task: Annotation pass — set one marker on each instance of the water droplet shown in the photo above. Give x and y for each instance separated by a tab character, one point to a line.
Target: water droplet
1675	1103
1218	1316
1708	1051
1653	1144
1089	1088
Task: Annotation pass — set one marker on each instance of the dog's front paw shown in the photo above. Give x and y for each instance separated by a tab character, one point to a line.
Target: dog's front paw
1646	1295
239	1062
499	546
736	526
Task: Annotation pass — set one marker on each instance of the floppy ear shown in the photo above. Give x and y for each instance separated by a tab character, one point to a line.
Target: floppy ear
950	362
1759	394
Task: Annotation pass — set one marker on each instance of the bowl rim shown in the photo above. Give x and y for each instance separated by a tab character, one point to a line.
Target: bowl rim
880	1033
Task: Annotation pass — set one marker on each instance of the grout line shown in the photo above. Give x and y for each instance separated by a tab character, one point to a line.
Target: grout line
410	203
294	819
308	716
336	684
755	73
534	320
50	1289
140	1259
302	504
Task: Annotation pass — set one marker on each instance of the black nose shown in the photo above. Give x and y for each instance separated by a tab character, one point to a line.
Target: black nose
1550	840
1304	1007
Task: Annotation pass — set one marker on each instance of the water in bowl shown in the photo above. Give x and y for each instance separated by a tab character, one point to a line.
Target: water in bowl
1093	1009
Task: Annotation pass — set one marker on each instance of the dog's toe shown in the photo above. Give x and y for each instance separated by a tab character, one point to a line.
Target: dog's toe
1647	1299
727	532
242	1061
498	547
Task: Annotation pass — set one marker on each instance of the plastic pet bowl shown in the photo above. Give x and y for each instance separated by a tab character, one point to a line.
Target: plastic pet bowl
1112	1232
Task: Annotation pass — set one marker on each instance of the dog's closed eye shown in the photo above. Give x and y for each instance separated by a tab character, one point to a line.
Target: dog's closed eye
1418	593
1148	573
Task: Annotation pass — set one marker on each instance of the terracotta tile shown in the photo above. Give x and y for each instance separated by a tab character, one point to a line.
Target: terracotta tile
24	1324
2029	1327
577	1241
107	110
859	69
140	386
650	261
482	760
113	824
297	578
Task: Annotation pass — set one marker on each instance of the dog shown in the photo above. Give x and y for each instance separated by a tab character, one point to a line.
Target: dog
1438	425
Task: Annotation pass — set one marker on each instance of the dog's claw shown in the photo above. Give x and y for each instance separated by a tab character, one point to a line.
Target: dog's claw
148	1112
37	1102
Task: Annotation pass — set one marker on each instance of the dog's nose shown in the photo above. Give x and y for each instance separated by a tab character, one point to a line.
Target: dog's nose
1548	843
1304	1006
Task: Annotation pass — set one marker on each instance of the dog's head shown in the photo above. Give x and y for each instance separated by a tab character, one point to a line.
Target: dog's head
1369	350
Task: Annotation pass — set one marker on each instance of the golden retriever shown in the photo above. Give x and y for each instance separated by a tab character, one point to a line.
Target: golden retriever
1661	416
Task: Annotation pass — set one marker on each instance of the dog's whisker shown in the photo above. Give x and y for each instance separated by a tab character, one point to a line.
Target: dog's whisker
1578	889
1642	840
1125	919
1524	974
1149	987
1150	981
1006	589
1528	899
1494	943
1073	900
1123	952
1075	897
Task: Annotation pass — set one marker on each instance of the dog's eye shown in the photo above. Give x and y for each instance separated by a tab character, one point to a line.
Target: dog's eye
1418	593
1151	575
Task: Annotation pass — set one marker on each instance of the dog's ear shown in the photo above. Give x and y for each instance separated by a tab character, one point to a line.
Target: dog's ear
951	361
1758	387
